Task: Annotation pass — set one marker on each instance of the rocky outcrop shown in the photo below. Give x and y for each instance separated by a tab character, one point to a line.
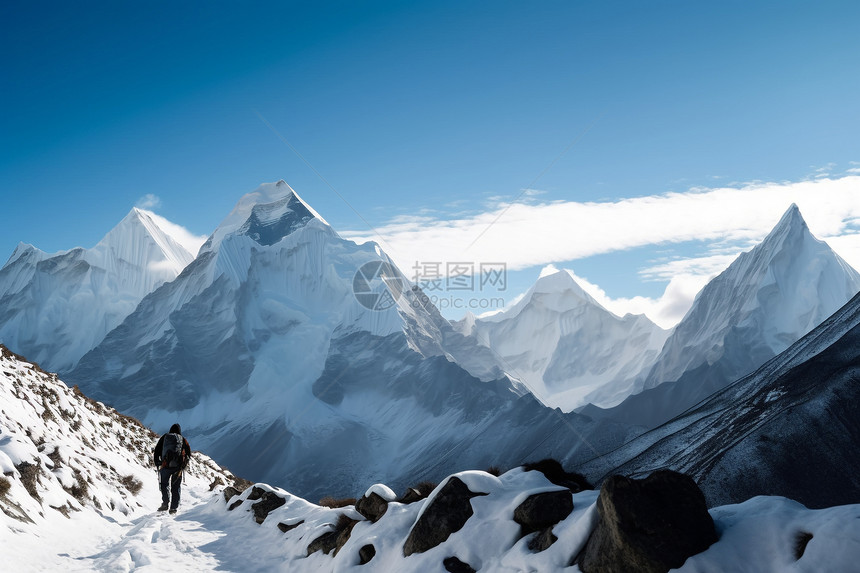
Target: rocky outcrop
372	506
543	510
555	472
649	526
446	514
454	565
268	501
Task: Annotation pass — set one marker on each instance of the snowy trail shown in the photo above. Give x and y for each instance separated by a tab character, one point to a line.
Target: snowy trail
159	542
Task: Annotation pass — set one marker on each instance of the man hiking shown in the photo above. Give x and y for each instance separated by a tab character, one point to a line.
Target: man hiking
171	455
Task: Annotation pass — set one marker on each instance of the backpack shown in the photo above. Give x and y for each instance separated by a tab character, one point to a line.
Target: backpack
172	454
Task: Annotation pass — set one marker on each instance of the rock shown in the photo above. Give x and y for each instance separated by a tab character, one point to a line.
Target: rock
216	482
235	504
229	492
268	502
555	473
285	527
344	528
542	540
334	540
325	542
454	565
365	554
417	493
372	507
256	493
446	514
649	526
543	510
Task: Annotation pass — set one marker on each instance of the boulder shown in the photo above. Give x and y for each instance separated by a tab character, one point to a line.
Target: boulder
267	502
542	541
454	565
229	492
325	542
649	526
447	513
366	553
371	506
555	473
543	510
289	527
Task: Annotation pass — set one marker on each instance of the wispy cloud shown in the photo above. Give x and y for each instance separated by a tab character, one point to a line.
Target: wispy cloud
547	232
724	221
149	202
178	233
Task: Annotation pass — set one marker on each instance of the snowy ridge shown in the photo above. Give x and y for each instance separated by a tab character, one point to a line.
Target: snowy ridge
758	535
72	467
767	299
55	308
787	429
565	347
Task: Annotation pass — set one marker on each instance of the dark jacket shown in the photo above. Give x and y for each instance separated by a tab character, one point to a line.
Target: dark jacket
186	448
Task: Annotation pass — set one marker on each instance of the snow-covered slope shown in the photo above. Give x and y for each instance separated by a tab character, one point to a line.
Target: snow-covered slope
73	470
565	346
762	303
273	364
791	428
54	308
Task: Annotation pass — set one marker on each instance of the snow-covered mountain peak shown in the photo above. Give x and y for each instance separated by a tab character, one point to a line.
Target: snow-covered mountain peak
763	302
267	214
139	240
26	251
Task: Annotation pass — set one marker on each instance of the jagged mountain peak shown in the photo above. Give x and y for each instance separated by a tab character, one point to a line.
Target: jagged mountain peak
267	214
764	301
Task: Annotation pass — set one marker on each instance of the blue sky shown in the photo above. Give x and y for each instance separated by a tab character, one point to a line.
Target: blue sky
444	110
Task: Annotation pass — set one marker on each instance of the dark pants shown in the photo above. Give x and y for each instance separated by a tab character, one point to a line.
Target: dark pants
173	476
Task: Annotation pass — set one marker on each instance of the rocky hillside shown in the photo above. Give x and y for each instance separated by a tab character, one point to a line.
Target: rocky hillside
63	454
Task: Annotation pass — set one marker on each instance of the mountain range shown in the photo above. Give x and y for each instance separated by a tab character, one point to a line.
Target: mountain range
295	356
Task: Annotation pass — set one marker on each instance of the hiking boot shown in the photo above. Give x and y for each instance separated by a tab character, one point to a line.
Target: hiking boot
172	511
163	507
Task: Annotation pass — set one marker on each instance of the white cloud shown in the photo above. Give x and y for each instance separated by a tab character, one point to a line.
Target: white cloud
149	201
727	220
180	234
527	235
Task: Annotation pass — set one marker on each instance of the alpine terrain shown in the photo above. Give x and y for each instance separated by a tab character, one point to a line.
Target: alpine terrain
295	356
787	429
55	308
766	300
567	348
78	494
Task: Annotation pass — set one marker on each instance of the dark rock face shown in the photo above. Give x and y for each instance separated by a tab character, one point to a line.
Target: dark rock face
454	565
333	540
372	507
229	492
417	493
555	473
447	513
648	526
287	527
325	543
268	502
543	510
542	540
256	493
235	504
366	553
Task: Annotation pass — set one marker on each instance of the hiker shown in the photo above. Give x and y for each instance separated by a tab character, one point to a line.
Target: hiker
171	455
